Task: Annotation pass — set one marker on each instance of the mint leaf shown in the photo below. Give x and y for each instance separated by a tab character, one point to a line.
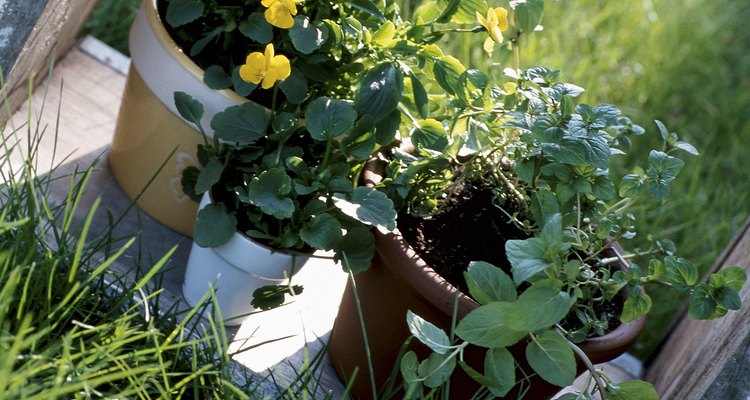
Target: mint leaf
487	326
427	333
489	283
551	357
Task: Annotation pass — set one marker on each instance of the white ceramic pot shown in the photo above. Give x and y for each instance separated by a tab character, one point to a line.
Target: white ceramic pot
149	129
235	270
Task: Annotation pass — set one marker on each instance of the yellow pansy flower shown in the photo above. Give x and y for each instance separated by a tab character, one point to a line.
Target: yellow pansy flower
495	22
267	68
280	13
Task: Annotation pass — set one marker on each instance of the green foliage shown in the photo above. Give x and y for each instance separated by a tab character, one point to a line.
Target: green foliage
553	163
74	325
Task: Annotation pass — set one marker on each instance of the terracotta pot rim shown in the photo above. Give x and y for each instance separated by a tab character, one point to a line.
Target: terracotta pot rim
440	293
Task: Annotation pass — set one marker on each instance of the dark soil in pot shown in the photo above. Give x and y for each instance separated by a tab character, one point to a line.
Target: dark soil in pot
469	227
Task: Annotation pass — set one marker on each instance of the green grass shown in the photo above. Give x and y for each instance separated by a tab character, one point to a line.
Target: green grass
110	22
71	326
685	63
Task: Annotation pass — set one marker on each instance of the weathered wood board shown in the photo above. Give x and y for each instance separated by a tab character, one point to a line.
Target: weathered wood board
709	359
33	33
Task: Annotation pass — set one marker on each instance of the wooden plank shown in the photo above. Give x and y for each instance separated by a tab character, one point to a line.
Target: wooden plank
35	33
16	23
706	359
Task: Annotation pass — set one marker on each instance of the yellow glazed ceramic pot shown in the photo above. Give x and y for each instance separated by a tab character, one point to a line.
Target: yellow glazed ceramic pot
150	136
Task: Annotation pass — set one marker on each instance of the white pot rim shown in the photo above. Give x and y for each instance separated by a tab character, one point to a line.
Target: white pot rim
266	261
166	69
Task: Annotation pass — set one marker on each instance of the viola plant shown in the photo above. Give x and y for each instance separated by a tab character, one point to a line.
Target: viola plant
329	84
551	161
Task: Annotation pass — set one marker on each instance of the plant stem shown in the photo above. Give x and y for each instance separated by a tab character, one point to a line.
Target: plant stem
370	368
587	362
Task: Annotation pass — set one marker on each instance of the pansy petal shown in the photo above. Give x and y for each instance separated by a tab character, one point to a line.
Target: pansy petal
269	54
281	67
482	20
496	34
291	6
252	74
502	18
278	16
254	68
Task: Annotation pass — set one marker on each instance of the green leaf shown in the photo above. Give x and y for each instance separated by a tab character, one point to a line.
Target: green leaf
488	283
487	326
427	333
214	226
328	118
656	269
733	277
430	135
361	143
500	367
437	369
538	307
188	179
421	100
283	122
369	206
271	296
322	232
368	7
681	273
216	78
686	147
209	176
632	390
270	191
241	125
295	87
635	306
662	169
528	13
663	131
527	257
728	298
531	256
409	366
355	250
386	131
383	37
307	36
631	185
544	205
256	27
551	357
188	107
240	86
380	91
702	303
447	71
449	9
181	12
466	11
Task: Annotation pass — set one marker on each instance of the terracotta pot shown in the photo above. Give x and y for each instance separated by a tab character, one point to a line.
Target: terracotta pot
235	270
149	128
399	280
